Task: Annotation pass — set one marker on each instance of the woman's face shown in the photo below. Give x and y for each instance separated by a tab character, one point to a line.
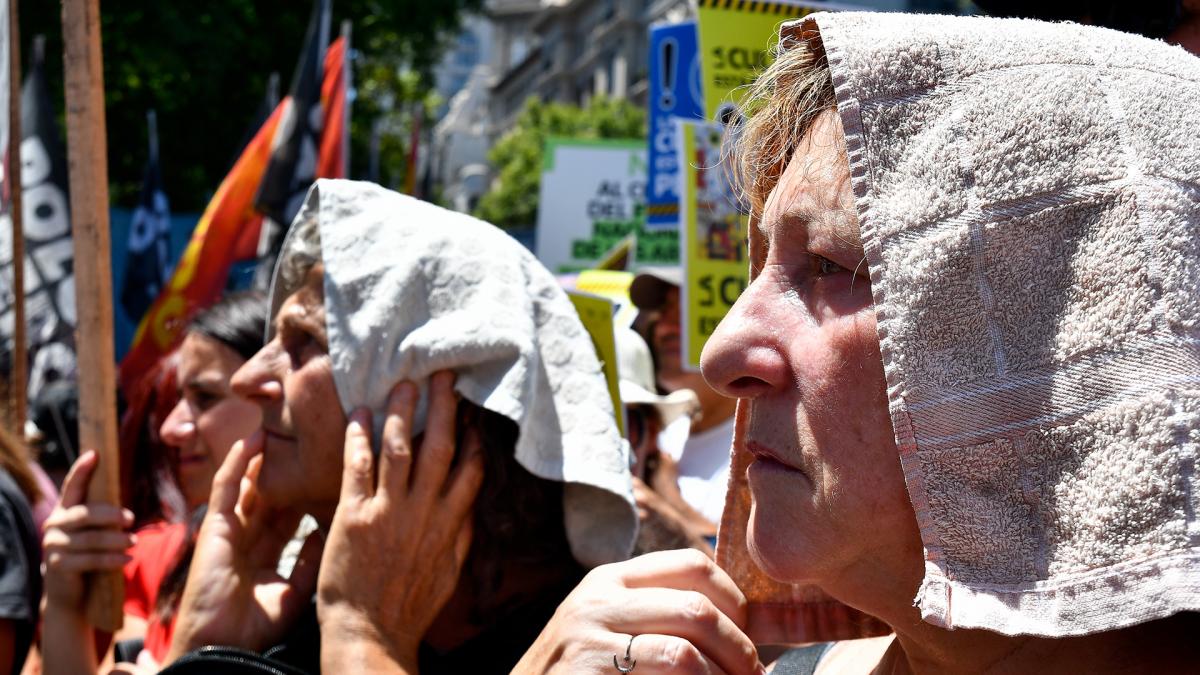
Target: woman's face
829	501
209	417
291	380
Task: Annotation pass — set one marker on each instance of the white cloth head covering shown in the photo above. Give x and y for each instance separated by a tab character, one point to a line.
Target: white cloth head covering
411	288
1029	201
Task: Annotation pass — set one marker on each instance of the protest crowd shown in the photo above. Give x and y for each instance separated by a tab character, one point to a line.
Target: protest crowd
947	422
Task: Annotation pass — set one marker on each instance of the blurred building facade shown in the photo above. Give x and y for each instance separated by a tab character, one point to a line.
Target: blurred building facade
556	50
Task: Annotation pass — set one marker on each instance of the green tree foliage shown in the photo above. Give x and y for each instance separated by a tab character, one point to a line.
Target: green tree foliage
512	201
204	67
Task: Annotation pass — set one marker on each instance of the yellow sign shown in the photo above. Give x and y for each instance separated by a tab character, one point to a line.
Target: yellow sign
712	238
736	38
596	313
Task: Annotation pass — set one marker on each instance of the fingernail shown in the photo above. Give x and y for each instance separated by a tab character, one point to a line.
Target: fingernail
126	514
356	426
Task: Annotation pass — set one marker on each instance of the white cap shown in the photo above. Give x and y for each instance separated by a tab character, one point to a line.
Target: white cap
636	369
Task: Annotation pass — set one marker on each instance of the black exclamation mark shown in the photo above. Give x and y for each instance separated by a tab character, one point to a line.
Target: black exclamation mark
667	57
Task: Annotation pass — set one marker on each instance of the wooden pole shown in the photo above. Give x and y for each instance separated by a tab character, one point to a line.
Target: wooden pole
17	384
87	154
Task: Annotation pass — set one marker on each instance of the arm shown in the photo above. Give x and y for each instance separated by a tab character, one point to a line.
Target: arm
80	538
399	539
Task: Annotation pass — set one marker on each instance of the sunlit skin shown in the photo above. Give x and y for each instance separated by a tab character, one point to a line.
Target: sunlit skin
800	345
291	380
209	417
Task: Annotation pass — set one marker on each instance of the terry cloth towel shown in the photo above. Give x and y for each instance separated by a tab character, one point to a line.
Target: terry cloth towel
411	288
1029	200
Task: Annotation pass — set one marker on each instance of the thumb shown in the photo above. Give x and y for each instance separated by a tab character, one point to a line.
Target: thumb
75	485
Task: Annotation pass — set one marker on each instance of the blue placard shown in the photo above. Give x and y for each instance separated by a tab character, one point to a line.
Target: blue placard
674	92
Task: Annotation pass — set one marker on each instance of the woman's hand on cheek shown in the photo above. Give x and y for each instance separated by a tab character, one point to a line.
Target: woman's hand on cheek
400	535
682	611
234	596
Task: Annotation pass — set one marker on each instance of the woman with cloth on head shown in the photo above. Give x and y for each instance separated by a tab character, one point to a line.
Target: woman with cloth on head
967	365
430	396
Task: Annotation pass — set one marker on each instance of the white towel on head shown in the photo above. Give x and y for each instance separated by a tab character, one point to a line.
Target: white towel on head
411	288
1029	200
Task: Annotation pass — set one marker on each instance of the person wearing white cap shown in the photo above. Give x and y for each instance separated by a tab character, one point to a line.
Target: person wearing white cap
700	447
667	521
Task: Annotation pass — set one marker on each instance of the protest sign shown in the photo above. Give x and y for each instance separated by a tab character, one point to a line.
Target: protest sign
596	313
736	39
712	237
674	81
592	196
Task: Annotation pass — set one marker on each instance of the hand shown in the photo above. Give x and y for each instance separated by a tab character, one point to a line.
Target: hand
665	482
399	538
684	613
234	596
81	538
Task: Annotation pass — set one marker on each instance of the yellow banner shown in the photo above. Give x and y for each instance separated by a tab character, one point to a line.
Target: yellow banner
736	39
712	238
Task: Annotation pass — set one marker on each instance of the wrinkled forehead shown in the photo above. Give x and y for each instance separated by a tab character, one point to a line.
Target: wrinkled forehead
813	198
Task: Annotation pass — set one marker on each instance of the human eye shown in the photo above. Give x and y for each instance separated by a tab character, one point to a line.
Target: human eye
202	400
826	267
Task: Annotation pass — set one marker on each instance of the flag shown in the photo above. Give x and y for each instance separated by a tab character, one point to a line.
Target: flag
334	156
293	164
147	254
199	277
49	252
246	248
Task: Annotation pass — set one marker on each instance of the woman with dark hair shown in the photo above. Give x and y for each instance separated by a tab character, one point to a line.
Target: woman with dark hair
20	578
197	432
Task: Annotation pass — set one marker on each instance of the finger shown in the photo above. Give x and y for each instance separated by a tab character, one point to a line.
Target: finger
303	579
77	563
465	481
75	485
89	516
437	448
462	545
651	653
226	486
395	461
686	569
248	496
692	616
98	541
358	473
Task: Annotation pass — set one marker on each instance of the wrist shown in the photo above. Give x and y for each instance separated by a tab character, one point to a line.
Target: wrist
347	633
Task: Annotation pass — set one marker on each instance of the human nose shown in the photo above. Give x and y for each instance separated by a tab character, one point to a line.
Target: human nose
260	379
180	427
744	357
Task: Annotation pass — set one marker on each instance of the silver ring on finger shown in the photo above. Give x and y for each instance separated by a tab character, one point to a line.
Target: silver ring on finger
627	664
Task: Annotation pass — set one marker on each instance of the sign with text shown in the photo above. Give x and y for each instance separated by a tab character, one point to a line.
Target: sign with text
736	39
592	196
712	237
675	91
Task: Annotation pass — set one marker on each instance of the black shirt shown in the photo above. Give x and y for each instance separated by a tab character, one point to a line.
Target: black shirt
20	567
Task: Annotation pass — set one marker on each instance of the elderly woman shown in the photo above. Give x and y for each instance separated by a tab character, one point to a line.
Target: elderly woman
967	363
500	477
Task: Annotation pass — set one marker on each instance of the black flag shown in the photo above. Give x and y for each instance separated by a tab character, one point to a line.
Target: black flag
293	165
147	254
49	252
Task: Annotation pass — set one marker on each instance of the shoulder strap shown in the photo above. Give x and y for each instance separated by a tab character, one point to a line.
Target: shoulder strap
801	660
